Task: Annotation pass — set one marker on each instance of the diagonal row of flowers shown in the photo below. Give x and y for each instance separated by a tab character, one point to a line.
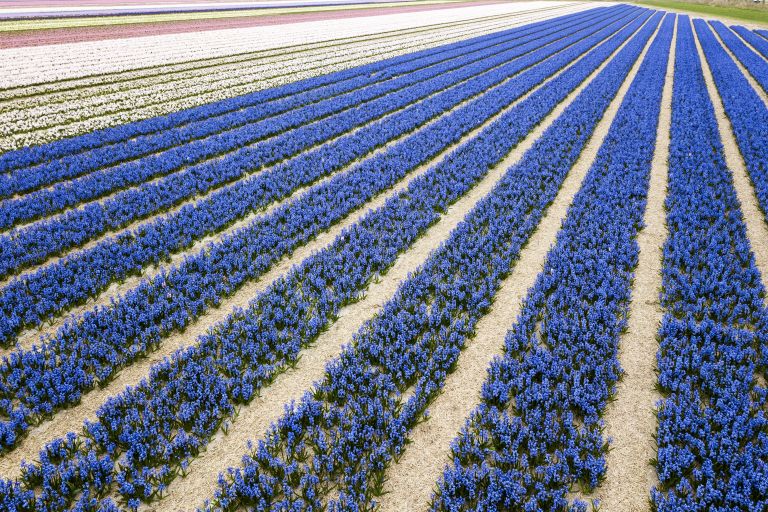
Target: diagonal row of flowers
36	243
712	444
758	43
221	135
745	109
343	435
28	301
756	65
153	429
537	433
35	383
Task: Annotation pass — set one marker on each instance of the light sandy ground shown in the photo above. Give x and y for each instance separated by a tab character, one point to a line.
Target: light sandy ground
630	421
47	63
72	419
411	481
757	229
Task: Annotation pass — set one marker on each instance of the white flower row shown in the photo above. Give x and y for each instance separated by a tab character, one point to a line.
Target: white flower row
57	108
36	126
21	66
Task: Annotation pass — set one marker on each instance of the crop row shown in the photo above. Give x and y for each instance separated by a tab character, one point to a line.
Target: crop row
757	42
218	137
712	426
155	428
537	433
30	156
754	63
745	110
333	447
99	343
28	301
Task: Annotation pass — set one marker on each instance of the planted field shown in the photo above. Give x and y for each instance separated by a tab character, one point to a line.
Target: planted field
505	256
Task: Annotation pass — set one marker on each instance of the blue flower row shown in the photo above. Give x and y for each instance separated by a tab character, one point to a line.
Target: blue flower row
758	43
155	428
91	349
755	64
712	433
77	164
747	112
42	240
537	433
287	134
343	434
28	301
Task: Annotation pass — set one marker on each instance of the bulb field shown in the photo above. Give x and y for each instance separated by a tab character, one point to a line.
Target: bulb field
417	256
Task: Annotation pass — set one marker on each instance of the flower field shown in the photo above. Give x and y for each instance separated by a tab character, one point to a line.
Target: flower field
452	257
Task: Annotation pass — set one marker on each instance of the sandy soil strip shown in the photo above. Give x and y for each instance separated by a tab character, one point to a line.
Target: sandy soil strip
70	420
411	481
757	228
630	421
